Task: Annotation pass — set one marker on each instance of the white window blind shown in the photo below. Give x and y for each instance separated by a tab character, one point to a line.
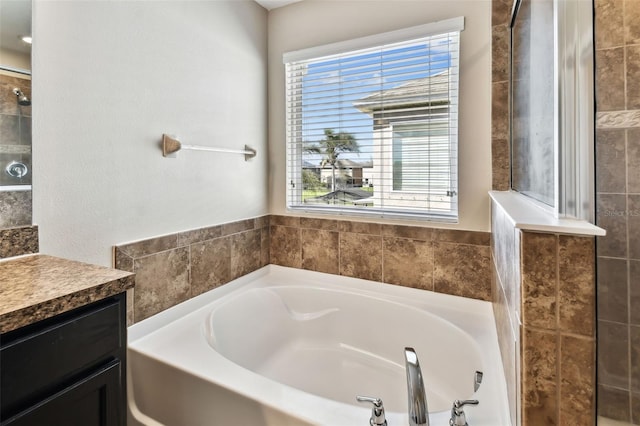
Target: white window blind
374	130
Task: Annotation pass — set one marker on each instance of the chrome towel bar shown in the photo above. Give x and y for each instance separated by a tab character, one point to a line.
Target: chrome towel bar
171	145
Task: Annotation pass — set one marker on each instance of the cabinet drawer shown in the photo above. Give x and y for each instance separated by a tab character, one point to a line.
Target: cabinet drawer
45	360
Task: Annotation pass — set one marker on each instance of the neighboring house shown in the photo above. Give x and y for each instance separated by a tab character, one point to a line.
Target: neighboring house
413	135
349	174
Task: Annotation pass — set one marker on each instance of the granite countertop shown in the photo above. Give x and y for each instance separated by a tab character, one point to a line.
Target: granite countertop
36	287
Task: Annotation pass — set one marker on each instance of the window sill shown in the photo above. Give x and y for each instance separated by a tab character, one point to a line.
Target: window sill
528	216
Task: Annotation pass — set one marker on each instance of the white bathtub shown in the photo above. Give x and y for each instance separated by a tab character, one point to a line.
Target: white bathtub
284	346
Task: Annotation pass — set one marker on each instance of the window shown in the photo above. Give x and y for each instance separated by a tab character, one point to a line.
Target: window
372	124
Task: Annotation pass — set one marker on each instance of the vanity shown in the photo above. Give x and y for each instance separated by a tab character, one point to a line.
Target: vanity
62	342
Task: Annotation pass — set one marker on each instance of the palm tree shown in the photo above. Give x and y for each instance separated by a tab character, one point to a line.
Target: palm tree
331	147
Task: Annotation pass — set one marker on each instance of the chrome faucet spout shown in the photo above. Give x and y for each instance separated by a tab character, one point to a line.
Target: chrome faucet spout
418	408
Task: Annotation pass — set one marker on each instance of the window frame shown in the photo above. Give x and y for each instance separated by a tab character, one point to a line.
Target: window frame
294	154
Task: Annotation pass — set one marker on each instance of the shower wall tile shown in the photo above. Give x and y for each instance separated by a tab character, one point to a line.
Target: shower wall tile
610	79
500	12
612	289
634	291
609	27
539	379
633	225
612	216
500	111
635	408
173	268
611	158
633	160
15	209
539	279
500	36
634	342
633	71
613	403
613	358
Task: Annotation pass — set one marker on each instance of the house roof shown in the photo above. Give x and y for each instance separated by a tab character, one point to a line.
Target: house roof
409	94
342	164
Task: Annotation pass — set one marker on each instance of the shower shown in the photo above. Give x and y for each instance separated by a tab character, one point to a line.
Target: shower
22	98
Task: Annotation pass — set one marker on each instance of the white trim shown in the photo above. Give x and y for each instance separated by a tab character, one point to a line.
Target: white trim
419	31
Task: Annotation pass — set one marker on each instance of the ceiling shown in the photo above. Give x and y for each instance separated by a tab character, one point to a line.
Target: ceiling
15	21
273	4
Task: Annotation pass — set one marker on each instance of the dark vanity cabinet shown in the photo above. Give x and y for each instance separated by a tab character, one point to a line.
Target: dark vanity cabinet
67	370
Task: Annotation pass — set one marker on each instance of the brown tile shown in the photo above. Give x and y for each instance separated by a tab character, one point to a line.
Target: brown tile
15	208
500	53
539	383
631	21
246	250
576	284
326	224
320	250
262	221
361	256
610	75
210	264
577	380
462	270
610	159
359	227
413	232
539	277
501	12
633	75
198	235
238	226
500	111
635	408
293	221
609	28
461	236
285	248
407	262
634	291
150	246
162	281
633	161
613	354
612	289
611	214
613	403
130	306
634	345
121	260
633	213
265	257
500	164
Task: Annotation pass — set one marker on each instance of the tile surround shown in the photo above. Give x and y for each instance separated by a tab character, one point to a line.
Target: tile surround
173	268
18	241
617	35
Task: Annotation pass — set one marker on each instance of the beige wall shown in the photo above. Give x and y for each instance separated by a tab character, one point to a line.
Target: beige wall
316	22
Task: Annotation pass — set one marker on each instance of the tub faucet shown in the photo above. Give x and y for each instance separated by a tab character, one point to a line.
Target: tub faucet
418	409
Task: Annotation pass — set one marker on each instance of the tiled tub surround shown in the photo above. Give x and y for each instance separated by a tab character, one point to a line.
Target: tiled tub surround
617	38
15	145
18	241
173	268
544	290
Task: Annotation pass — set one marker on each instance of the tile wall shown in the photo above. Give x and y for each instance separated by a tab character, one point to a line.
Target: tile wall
176	267
15	145
173	268
617	36
18	241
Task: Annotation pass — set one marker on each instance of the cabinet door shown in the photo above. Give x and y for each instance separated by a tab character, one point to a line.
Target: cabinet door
92	401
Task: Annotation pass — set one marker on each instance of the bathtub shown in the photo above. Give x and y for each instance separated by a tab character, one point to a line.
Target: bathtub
284	346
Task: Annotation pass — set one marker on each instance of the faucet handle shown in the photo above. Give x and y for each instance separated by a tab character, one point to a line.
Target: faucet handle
458	418
377	411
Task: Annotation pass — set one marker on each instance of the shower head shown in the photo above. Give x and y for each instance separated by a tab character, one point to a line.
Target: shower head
22	98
